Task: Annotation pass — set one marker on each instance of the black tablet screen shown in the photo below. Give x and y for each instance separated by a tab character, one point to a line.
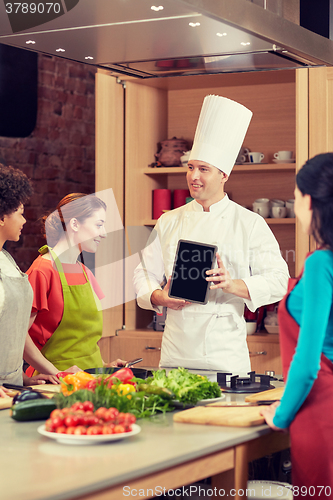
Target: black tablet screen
188	279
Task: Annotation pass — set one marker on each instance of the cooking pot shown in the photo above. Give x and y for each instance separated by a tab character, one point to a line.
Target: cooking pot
137	372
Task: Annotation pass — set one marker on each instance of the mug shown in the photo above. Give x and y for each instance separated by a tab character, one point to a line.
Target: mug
277	203
290	208
261	207
256	157
279	212
283	155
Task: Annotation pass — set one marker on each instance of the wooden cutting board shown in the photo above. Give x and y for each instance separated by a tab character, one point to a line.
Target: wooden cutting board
265	395
232	416
7	402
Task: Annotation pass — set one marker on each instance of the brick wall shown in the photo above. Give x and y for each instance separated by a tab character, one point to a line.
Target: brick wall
59	155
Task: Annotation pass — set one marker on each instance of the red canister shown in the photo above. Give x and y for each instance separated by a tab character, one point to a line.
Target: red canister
179	197
161	201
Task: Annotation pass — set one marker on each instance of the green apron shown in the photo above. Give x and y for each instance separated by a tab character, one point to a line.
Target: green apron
74	342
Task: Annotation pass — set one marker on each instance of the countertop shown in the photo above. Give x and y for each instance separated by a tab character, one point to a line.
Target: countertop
33	467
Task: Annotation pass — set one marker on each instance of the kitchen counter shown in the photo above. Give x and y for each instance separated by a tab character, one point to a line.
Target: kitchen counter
163	454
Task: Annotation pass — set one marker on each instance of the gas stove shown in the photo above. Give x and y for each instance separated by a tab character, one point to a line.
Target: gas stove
253	383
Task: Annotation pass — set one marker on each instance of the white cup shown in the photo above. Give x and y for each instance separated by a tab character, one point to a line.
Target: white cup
283	155
256	157
275	202
290	208
279	212
242	155
261	207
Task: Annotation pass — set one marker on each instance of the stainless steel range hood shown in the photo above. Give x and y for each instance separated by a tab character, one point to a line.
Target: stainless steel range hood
173	37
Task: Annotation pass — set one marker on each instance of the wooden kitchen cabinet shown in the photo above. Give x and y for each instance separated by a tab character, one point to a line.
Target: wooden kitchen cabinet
151	110
264	349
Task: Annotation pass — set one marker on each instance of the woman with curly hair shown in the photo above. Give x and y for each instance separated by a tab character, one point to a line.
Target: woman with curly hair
67	315
306	338
15	290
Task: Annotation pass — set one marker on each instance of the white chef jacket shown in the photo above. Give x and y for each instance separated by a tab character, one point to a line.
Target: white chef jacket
212	336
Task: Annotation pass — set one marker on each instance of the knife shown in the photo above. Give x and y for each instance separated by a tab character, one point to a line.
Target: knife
25	388
235	404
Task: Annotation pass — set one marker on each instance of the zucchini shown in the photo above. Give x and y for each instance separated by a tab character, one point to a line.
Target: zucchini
153	389
36	409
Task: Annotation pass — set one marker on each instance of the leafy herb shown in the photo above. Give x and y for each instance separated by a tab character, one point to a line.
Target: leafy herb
188	387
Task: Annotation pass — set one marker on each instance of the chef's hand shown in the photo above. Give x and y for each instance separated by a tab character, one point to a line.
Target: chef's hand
3	392
268	413
40	379
161	298
115	364
221	278
73	369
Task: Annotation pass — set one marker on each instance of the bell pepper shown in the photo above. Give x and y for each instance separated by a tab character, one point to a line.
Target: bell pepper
71	383
125	390
125	375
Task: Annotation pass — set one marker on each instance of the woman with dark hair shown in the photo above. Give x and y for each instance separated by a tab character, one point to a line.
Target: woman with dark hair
306	339
66	313
15	291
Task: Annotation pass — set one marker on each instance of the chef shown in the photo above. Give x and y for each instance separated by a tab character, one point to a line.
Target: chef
250	269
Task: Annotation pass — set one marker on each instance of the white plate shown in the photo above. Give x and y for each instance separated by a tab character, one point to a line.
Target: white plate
284	161
101	438
201	402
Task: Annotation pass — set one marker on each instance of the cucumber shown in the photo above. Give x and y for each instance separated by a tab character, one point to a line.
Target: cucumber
36	409
153	389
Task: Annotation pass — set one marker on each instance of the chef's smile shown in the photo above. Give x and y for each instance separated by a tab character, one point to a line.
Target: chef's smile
205	182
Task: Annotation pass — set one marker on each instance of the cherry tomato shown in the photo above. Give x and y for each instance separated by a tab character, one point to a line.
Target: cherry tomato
57	422
49	425
121	418
88	406
108	429
93	420
71	421
71	430
80	430
129	419
77	406
91	385
111	415
101	412
61	430
56	413
94	430
118	429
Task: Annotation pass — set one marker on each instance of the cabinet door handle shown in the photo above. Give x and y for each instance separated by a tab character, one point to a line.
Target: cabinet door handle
258	353
149	348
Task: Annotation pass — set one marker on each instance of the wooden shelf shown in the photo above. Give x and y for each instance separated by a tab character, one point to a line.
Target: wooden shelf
237	168
284	221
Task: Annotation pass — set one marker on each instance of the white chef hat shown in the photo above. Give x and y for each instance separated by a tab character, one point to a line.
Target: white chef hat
220	132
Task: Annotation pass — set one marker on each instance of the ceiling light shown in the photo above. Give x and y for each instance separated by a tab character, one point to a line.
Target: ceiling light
245	43
193	25
60	50
89	57
156	9
30	41
221	34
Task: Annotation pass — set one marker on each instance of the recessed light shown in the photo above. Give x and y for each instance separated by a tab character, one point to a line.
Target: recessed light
60	50
30	41
194	25
221	34
156	9
89	57
245	43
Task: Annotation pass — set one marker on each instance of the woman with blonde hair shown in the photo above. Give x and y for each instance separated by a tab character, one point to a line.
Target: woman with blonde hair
66	313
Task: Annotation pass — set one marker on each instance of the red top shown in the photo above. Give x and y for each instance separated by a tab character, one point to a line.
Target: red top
48	297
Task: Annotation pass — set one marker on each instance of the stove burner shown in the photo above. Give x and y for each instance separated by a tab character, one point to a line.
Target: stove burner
253	383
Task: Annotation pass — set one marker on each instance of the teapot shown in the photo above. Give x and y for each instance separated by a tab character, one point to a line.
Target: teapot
171	151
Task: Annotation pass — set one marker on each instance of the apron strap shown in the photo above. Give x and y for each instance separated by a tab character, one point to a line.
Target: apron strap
60	268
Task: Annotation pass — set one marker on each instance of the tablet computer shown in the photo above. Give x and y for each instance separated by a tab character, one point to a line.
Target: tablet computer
188	280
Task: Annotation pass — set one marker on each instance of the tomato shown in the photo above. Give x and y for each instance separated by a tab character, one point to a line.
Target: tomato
80	430
111	415
129	419
100	412
72	421
65	411
108	429
48	425
71	430
91	385
77	406
61	430
94	430
93	420
88	406
56	413
63	374
121	418
57	422
118	429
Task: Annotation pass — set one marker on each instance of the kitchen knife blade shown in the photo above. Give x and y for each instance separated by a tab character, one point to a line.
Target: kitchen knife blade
235	404
25	388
